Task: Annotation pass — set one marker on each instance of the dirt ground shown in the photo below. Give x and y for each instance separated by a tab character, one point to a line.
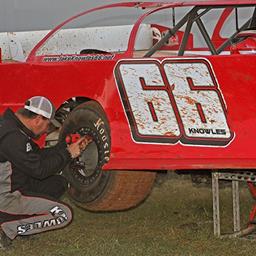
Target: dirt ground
175	220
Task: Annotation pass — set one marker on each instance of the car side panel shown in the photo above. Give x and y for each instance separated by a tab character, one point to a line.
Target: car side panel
96	80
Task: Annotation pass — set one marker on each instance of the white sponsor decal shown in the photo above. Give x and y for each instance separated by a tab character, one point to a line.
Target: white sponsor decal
59	217
70	58
28	147
173	101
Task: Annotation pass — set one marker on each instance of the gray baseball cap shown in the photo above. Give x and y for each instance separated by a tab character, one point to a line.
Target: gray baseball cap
40	105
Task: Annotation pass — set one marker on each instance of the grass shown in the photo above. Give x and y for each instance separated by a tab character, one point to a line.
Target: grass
175	220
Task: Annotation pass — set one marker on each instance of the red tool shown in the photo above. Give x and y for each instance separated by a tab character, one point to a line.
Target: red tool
72	138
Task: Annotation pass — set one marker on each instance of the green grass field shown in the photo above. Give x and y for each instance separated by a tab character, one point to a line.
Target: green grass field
175	220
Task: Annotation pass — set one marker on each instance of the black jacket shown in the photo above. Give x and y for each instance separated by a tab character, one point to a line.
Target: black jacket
27	159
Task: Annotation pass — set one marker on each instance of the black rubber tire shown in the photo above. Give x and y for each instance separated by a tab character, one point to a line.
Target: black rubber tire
84	173
125	190
90	187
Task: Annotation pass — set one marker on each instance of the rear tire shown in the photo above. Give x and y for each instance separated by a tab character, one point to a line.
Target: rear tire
90	187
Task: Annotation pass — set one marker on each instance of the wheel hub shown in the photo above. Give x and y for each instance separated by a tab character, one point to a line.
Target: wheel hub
85	169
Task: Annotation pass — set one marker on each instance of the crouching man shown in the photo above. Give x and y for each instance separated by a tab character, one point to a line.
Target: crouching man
30	185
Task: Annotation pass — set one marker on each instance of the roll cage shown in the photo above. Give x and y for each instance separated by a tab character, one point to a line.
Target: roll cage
194	16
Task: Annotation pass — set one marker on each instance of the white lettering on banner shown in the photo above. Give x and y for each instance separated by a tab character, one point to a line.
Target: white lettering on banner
173	101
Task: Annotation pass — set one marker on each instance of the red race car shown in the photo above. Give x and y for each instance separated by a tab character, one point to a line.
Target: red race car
175	90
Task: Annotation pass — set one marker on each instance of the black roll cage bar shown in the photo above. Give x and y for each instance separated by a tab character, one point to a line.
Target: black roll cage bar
194	17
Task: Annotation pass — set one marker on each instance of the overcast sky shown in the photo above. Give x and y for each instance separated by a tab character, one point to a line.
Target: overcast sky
23	15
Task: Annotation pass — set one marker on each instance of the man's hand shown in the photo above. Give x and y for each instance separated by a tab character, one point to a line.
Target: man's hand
75	149
85	142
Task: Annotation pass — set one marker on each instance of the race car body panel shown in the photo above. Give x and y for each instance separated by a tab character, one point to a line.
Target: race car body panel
186	110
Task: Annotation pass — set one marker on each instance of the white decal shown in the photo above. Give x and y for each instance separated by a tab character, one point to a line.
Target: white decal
70	58
173	101
153	97
28	147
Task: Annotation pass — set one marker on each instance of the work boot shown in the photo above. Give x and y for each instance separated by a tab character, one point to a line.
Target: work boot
5	241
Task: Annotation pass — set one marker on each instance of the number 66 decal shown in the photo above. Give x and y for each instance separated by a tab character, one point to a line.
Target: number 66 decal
174	101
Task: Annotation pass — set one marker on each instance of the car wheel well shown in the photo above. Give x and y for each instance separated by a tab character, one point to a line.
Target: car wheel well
68	105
